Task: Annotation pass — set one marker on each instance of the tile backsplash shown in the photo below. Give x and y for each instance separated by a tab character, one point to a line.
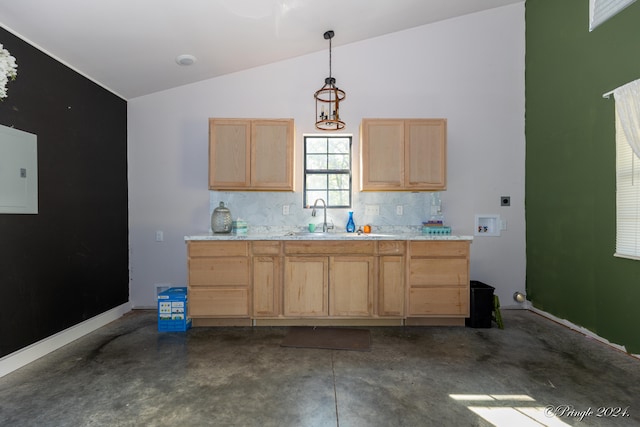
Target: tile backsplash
265	208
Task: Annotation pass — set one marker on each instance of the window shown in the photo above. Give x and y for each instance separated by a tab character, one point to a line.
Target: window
627	100
327	170
601	10
627	197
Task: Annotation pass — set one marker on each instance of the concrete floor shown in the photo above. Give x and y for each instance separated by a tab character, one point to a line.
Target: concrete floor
128	374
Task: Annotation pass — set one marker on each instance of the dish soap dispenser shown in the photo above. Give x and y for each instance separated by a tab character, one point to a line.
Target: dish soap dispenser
221	219
351	226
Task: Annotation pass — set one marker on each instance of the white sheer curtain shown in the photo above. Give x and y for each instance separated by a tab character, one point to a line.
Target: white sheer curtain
627	99
627	103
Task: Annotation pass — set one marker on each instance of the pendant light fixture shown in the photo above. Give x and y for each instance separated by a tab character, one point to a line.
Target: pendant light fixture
328	99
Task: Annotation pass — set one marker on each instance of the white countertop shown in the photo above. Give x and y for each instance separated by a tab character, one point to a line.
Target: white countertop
292	233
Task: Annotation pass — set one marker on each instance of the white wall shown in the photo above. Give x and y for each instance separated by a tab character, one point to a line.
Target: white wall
469	70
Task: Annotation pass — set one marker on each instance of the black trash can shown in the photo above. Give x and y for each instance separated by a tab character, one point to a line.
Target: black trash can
480	305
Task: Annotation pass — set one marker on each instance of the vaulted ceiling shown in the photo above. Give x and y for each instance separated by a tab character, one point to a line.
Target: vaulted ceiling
130	46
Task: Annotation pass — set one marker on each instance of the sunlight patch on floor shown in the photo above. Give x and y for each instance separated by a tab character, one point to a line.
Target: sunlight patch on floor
506	410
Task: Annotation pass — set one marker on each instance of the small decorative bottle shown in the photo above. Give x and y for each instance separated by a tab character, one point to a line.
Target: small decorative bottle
351	226
221	219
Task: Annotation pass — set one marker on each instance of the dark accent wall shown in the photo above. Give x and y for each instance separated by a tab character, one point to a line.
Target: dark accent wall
69	262
570	167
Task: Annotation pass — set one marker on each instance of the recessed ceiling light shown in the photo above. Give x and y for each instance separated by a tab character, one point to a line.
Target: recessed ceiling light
185	60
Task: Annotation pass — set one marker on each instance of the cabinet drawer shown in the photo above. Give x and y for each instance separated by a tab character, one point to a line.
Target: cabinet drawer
265	248
453	301
440	248
438	272
218	302
330	248
227	271
391	247
205	249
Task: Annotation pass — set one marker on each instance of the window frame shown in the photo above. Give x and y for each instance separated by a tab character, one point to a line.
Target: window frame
347	172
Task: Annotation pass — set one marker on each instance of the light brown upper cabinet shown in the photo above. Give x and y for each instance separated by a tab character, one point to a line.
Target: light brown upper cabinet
403	154
251	154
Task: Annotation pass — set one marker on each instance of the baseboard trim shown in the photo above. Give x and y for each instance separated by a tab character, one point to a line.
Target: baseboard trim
581	330
24	356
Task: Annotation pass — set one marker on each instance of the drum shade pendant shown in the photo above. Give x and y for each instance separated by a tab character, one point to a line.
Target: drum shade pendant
328	99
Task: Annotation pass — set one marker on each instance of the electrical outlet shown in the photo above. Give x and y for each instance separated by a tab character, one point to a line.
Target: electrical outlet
372	210
285	209
505	201
159	236
399	210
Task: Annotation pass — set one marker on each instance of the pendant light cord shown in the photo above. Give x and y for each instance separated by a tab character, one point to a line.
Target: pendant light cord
330	58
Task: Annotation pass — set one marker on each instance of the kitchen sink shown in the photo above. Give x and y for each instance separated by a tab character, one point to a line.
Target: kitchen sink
339	235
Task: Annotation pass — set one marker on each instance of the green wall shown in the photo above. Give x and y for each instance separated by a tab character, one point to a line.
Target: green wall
570	167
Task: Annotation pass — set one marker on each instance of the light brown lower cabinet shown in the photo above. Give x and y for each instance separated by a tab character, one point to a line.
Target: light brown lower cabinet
219	280
267	278
306	286
333	281
335	286
438	279
351	285
391	278
391	294
222	302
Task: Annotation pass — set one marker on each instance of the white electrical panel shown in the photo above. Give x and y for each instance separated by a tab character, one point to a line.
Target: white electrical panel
18	172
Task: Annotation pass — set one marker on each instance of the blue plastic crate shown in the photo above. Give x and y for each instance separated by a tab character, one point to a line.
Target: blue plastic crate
436	231
174	325
172	310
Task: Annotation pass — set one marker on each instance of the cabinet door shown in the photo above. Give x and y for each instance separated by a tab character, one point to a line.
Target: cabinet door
351	286
229	154
425	154
272	154
266	286
306	286
382	154
391	286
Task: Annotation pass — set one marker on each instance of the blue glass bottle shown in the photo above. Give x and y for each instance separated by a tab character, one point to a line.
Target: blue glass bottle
351	226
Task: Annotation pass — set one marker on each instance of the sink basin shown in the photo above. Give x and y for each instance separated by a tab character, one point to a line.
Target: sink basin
362	235
339	235
314	235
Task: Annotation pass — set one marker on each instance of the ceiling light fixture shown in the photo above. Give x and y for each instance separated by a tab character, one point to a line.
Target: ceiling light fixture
328	99
185	60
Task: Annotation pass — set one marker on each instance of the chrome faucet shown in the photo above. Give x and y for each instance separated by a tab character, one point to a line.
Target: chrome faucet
325	227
